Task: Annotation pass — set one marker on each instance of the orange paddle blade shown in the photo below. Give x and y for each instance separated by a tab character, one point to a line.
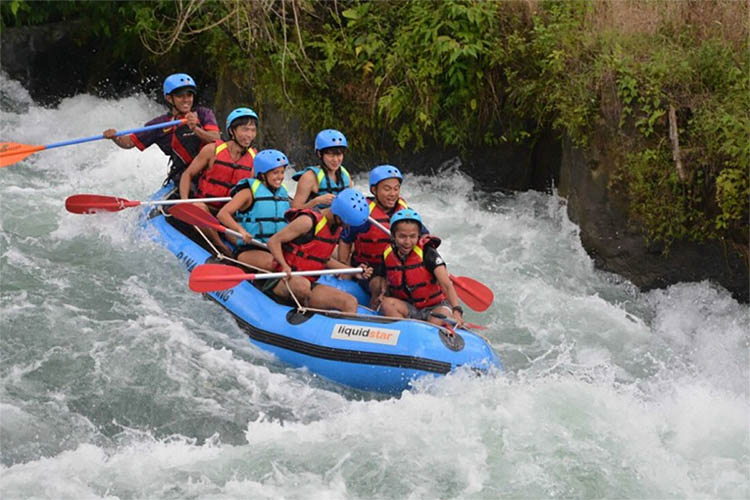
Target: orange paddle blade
215	277
196	216
474	294
12	152
92	203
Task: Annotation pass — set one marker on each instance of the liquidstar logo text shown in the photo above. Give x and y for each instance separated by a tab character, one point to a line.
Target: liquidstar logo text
361	333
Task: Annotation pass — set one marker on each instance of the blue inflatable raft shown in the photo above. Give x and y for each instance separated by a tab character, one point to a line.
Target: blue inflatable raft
366	352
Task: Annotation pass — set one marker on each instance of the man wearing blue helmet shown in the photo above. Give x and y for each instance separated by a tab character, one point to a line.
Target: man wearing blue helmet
181	143
369	241
222	164
418	281
308	243
257	208
318	186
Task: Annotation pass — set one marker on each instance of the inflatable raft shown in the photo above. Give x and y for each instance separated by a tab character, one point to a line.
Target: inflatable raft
366	351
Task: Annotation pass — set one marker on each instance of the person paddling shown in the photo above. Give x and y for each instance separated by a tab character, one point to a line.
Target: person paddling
257	208
180	143
307	244
418	281
222	165
318	186
368	241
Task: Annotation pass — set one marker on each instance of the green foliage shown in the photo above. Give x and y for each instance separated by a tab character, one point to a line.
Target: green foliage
98	20
470	73
668	209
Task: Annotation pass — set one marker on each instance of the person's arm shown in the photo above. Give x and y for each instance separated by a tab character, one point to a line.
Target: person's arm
123	141
203	124
240	201
307	184
195	168
335	264
296	228
441	273
345	252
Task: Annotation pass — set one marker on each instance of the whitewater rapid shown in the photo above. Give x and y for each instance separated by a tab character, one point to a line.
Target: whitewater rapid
118	382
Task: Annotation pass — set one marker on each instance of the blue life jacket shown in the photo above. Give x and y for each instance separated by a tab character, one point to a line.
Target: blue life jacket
265	217
325	185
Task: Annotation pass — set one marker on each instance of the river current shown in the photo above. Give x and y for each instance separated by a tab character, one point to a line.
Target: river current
118	382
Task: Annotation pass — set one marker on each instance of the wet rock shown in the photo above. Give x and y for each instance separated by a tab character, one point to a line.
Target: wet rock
616	246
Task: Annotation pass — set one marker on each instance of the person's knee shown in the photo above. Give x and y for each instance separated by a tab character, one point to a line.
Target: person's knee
390	307
301	287
348	303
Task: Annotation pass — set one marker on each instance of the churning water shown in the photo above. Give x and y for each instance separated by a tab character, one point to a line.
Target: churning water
118	382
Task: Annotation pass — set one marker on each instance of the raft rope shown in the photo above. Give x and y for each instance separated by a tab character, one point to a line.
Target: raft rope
333	312
300	308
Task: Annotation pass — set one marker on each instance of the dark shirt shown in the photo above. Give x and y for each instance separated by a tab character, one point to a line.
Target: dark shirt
163	137
432	260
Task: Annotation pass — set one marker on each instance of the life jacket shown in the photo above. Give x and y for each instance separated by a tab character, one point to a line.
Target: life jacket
325	185
410	280
220	178
310	251
369	246
265	217
185	146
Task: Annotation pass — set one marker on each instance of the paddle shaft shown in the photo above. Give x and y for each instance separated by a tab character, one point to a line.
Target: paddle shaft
380	226
118	134
268	276
189	200
196	216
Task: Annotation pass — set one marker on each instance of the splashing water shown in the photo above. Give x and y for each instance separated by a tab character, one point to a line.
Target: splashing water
117	382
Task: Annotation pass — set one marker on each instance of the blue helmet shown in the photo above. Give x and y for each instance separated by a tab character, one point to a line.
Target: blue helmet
330	138
269	159
239	113
351	206
406	214
383	172
178	81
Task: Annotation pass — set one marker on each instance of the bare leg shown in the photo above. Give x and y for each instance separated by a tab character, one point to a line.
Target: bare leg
394	307
300	287
377	289
326	297
257	258
444	310
212	235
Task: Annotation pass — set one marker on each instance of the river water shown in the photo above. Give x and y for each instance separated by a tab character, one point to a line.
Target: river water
118	382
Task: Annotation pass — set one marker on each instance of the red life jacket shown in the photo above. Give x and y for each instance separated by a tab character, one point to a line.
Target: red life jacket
311	251
410	280
221	177
369	246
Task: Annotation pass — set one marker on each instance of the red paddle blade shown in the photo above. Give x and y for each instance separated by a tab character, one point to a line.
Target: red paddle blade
92	203
12	152
215	277
191	214
474	294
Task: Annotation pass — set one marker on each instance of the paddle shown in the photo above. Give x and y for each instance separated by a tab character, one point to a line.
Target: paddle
13	152
196	216
474	294
92	203
215	277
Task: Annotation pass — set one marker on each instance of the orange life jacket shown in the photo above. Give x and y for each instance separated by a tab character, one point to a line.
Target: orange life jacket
410	280
369	246
221	177
310	251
